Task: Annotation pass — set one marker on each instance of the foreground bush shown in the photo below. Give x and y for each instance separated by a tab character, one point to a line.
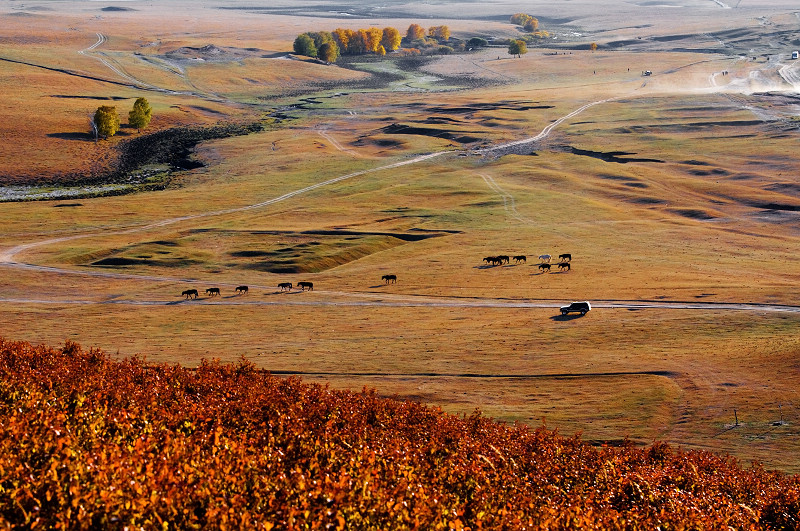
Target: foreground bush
89	442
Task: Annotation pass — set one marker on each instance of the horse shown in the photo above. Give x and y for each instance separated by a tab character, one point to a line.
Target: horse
544	267
564	265
241	289
212	291
190	293
304	285
503	259
285	285
388	278
545	258
520	258
566	257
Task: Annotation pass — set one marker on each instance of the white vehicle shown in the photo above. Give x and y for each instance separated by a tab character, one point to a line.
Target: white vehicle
795	55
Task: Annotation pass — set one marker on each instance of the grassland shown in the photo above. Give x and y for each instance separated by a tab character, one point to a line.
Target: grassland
680	188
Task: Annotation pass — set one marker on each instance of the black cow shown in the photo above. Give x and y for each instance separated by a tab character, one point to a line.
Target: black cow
241	289
389	278
304	285
521	258
566	257
564	265
212	291
285	285
190	293
544	267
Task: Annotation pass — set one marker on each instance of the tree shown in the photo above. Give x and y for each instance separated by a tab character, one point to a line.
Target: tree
320	38
439	32
106	121
329	52
391	39
477	42
415	32
304	45
517	47
139	116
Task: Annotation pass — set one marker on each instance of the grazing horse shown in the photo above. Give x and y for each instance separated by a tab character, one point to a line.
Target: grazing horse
564	265
304	285
503	259
190	293
285	285
545	258
520	258
544	267
566	257
241	289
388	278
212	291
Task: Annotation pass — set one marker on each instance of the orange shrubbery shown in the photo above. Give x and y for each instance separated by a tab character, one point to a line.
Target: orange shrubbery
89	442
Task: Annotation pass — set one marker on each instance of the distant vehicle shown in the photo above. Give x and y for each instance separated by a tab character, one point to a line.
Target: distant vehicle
795	55
577	307
647	73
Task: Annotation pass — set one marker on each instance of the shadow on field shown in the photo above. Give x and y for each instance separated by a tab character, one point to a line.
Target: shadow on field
568	317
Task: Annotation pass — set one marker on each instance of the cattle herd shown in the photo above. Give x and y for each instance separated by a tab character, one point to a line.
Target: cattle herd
283	286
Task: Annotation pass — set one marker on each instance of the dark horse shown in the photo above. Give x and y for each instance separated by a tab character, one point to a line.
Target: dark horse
544	267
564	265
212	291
190	293
241	289
304	285
389	278
520	258
566	257
285	285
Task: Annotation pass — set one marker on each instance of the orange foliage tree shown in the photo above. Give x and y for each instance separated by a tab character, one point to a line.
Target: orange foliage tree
415	32
391	39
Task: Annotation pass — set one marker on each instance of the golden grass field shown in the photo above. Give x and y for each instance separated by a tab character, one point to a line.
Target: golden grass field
677	195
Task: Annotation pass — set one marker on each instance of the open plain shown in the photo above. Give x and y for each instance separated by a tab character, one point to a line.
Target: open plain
677	195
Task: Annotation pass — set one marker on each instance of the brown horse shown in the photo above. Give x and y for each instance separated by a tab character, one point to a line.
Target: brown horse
285	285
304	285
241	289
190	293
212	291
389	278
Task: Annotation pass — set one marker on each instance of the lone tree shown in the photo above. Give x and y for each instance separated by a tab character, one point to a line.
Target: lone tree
139	116
106	121
517	47
415	32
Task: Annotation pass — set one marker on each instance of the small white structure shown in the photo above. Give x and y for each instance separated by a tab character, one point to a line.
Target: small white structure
795	55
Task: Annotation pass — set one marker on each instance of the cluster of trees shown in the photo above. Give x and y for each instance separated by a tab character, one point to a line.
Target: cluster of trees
105	121
329	46
527	22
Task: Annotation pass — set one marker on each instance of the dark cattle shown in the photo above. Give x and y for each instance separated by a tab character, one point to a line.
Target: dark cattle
489	259
285	285
304	285
241	289
503	259
389	278
564	265
212	291
520	258
544	267
190	293
566	257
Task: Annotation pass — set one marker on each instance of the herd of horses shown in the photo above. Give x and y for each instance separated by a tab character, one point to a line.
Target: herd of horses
544	267
544	259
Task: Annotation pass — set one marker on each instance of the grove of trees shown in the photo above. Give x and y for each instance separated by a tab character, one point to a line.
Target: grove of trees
329	46
528	22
